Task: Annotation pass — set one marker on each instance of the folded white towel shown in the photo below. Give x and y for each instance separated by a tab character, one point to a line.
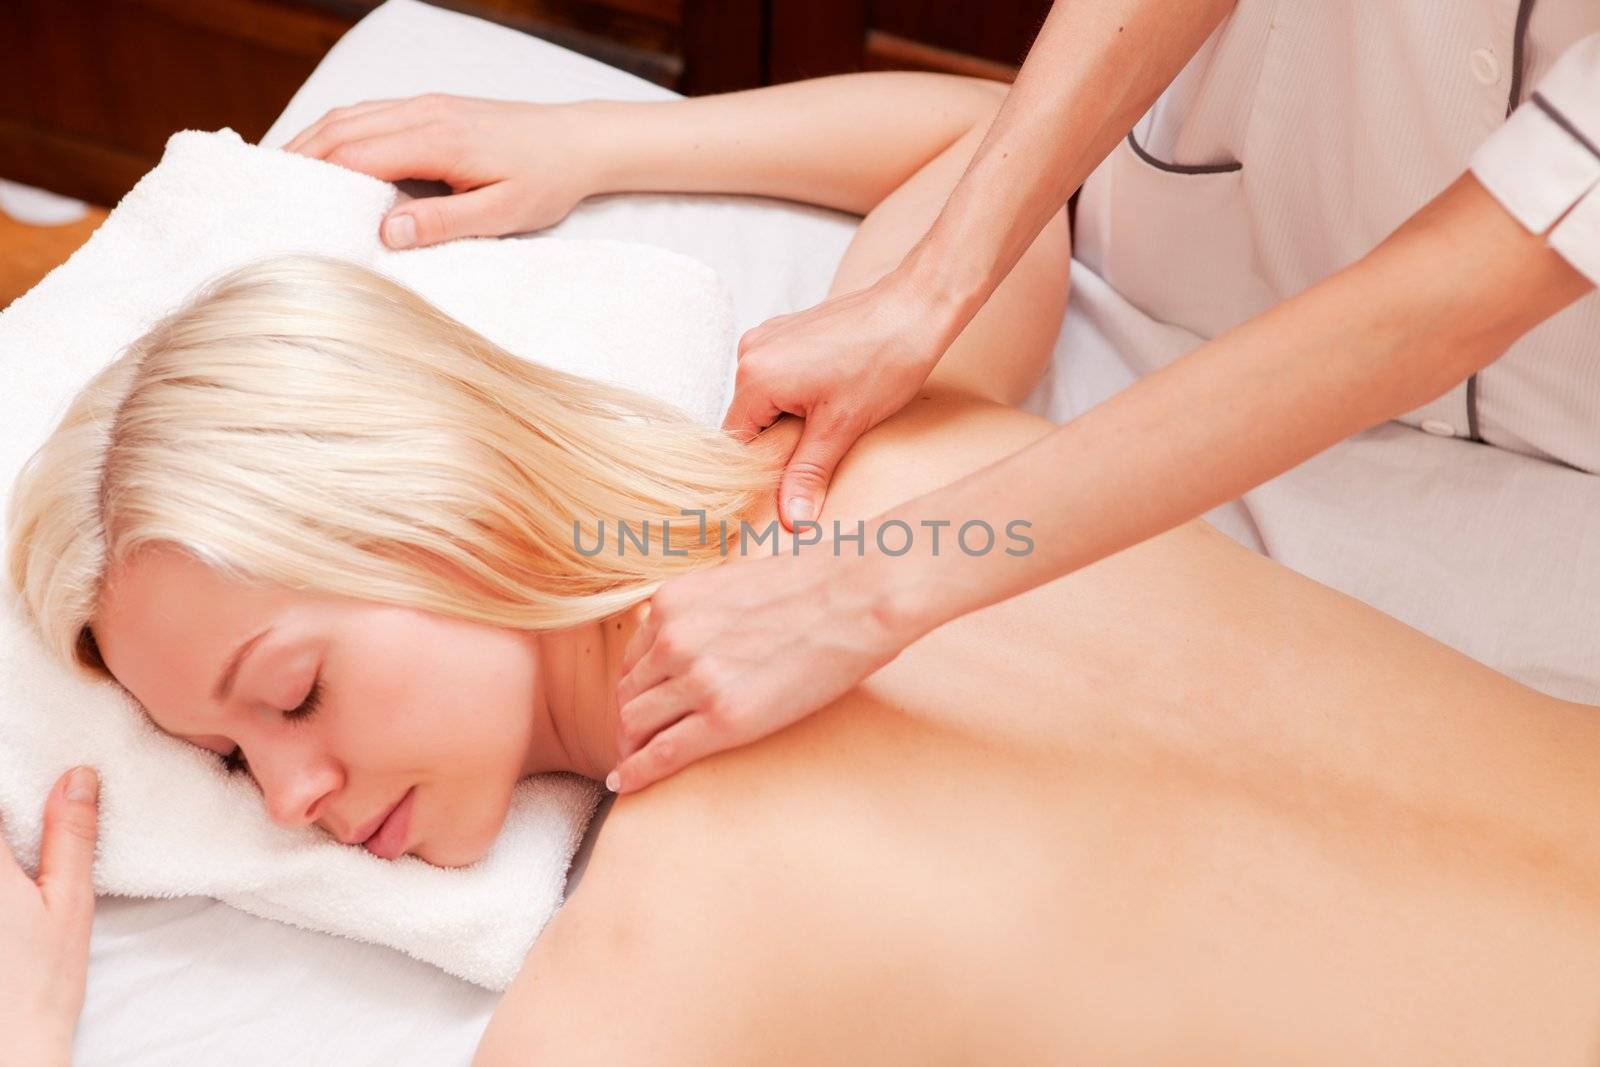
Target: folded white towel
173	823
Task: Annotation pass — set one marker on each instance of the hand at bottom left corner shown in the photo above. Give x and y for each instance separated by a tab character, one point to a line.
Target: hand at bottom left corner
44	927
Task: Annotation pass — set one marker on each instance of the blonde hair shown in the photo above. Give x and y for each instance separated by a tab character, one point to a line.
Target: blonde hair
310	423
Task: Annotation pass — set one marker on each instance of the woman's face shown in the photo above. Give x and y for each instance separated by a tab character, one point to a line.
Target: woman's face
404	700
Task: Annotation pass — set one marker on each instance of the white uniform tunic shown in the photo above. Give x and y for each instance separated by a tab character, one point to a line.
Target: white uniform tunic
1302	134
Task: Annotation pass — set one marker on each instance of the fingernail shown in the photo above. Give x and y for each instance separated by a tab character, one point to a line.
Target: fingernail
400	231
83	785
799	510
612	781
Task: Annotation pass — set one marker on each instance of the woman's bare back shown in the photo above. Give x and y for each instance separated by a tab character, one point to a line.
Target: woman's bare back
1183	805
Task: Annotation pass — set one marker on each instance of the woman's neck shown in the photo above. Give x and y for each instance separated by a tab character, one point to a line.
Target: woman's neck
576	725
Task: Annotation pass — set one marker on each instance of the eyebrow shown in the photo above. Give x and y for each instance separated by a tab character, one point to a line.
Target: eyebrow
231	670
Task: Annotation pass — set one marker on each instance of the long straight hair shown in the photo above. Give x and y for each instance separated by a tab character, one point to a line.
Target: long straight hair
309	423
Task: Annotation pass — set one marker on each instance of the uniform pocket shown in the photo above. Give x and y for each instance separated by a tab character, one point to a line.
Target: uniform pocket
1175	240
1180	168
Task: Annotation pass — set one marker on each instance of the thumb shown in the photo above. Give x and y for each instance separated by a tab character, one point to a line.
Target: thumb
823	442
66	852
430	220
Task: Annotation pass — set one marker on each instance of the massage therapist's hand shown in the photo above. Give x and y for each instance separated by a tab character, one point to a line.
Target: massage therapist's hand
730	654
844	366
513	166
44	928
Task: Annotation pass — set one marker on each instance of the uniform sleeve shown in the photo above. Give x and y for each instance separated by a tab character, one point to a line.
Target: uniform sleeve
1544	163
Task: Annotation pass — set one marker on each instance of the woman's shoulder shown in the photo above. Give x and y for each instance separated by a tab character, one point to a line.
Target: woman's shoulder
939	437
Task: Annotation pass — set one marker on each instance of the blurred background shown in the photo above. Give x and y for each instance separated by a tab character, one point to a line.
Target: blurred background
91	89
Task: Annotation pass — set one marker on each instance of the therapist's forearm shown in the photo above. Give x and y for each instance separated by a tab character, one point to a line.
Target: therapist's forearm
1095	68
1441	298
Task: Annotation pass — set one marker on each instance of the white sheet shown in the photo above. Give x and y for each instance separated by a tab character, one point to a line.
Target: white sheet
1446	535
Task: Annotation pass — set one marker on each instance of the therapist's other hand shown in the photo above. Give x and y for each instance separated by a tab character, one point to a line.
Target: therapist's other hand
512	166
844	366
730	654
44	927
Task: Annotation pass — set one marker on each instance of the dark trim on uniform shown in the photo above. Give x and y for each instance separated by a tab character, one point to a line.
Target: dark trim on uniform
1181	168
1565	123
1519	50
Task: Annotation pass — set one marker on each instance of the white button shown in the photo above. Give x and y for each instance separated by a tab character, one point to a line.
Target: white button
1485	67
1436	426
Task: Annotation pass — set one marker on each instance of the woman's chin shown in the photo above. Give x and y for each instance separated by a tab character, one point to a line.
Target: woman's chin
466	845
453	854
457	831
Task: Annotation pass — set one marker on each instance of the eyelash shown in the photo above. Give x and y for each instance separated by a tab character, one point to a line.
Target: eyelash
234	762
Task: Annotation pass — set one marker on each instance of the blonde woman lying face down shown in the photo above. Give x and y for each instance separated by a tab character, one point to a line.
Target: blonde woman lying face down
1182	805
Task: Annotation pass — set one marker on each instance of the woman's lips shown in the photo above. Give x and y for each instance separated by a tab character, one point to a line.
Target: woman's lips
389	840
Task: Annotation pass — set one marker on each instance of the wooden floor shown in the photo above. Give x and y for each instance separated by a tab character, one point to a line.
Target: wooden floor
28	253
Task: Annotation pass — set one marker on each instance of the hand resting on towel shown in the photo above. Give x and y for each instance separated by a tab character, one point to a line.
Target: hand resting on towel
513	166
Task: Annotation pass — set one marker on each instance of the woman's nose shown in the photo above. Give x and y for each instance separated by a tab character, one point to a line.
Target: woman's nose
296	786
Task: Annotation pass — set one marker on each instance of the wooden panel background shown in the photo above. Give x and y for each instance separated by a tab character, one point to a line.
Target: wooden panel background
91	89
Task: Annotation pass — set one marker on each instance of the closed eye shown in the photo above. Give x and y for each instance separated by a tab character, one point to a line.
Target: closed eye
309	705
234	761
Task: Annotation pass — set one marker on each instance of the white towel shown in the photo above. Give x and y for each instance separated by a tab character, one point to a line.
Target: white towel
172	823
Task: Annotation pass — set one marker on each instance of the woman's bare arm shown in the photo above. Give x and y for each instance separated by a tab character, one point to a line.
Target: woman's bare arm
845	141
842	142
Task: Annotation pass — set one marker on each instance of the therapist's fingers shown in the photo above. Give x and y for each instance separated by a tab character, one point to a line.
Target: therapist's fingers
828	434
752	408
652	711
673	749
296	142
749	413
643	637
66	851
653	668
